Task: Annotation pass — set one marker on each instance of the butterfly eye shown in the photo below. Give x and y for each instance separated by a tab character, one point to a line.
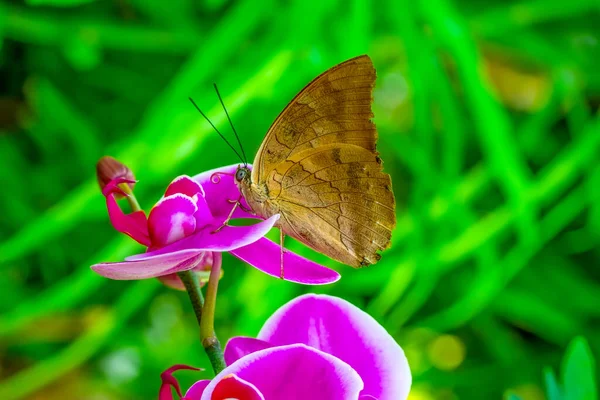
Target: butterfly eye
240	175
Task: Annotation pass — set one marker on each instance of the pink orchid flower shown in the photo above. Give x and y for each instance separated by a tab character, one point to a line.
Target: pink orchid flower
185	231
315	347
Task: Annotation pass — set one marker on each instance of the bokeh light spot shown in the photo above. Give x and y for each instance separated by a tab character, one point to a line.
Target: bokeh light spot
446	352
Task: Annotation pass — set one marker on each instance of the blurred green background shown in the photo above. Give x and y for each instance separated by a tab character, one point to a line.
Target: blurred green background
489	126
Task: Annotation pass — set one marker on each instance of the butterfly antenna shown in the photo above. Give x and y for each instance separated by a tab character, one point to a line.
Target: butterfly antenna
231	123
216	130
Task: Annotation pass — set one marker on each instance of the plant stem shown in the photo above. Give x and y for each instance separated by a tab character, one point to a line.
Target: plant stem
192	285
211	343
205	310
131	199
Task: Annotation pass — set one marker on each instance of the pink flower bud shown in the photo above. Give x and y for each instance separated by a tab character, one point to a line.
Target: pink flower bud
108	168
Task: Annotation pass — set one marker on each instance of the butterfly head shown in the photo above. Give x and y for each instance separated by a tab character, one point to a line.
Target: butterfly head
242	174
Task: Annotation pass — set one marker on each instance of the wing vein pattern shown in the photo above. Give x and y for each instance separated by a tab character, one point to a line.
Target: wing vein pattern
321	170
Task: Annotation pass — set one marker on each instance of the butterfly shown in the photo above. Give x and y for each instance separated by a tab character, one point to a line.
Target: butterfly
318	167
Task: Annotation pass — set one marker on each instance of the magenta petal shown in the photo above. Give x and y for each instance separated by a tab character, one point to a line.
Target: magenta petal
195	391
185	185
232	387
189	187
113	186
171	219
169	380
204	265
151	268
164	393
238	347
339	328
219	187
232	237
203	214
266	256
294	372
227	239
133	225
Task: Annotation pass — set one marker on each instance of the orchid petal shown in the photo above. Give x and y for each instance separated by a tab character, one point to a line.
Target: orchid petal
171	219
226	239
341	329
195	391
185	185
151	268
294	372
133	225
203	214
164	393
169	380
189	187
219	187
201	270
265	255
233	237
233	387
240	346
112	187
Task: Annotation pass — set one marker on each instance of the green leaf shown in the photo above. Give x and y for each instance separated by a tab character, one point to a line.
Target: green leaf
578	372
512	396
552	387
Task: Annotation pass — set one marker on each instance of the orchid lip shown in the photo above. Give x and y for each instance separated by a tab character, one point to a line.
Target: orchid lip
232	237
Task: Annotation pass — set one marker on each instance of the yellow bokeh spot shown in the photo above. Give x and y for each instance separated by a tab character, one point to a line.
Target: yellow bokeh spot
446	352
420	393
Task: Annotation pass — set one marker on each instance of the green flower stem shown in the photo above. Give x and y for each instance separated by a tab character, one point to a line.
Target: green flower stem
133	203
192	285
205	311
207	331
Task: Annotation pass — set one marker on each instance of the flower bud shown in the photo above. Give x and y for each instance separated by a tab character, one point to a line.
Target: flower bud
109	168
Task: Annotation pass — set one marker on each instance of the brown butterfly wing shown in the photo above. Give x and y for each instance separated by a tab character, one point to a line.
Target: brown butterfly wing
334	108
321	171
336	199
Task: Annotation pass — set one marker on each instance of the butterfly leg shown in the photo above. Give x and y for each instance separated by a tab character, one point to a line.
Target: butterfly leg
281	238
235	203
246	209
